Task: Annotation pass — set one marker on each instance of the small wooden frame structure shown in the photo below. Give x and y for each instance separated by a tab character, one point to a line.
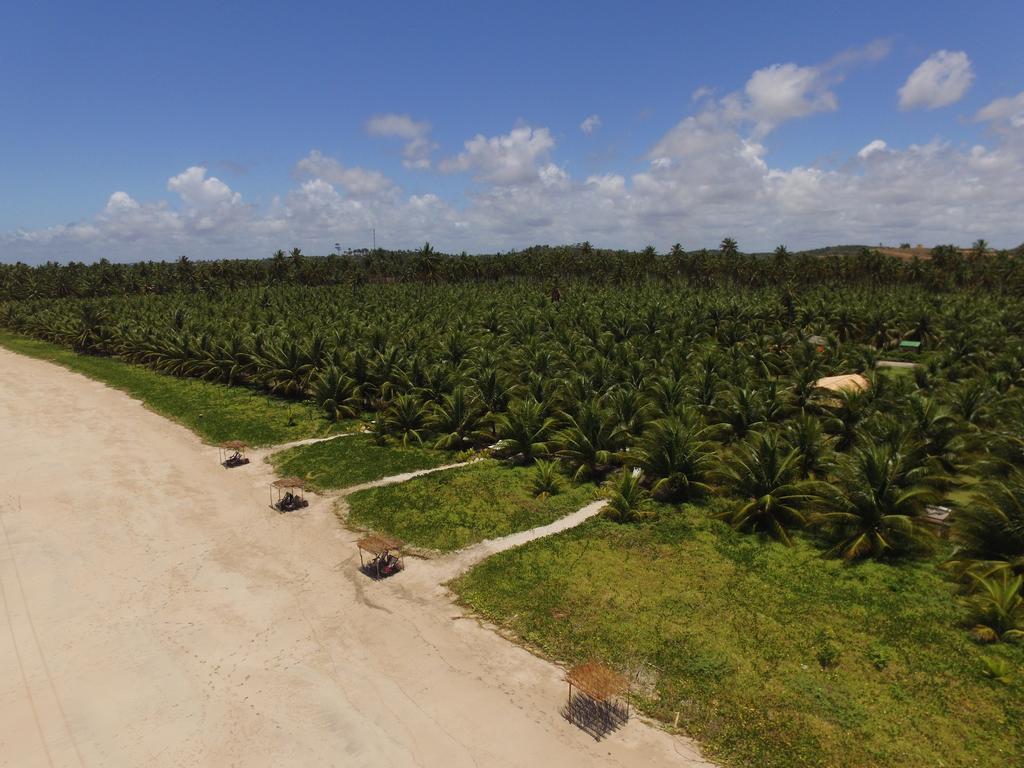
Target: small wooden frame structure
386	554
233	454
939	518
601	703
289	494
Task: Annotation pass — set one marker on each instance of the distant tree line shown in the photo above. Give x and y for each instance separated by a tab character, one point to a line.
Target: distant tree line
948	268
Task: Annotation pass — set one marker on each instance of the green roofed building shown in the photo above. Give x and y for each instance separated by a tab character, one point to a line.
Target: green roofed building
910	346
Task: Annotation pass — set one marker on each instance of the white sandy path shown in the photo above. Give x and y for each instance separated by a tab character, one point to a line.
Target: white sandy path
446	568
158	613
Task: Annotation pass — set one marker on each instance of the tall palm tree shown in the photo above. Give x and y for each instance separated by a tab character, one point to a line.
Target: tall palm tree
590	442
405	418
933	423
979	248
877	502
764	474
459	420
678	456
525	431
631	410
846	410
989	529
90	330
728	248
813	447
627	499
742	411
337	393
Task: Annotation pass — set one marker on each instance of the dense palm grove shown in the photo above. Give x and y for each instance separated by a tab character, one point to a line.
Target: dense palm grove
671	378
947	268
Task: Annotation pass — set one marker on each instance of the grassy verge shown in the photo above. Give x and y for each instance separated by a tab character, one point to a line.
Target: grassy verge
213	411
771	656
451	510
352	460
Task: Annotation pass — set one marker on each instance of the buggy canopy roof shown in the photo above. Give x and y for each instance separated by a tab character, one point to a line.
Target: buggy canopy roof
377	545
234	445
290	482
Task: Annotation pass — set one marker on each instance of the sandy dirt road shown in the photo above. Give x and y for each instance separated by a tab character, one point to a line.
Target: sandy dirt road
156	612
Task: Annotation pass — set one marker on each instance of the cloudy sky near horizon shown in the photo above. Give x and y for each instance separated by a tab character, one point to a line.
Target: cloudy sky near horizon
148	130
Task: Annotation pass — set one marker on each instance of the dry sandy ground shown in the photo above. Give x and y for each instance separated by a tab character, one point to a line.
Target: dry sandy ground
156	612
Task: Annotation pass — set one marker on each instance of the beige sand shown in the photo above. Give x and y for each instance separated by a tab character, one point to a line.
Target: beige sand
157	612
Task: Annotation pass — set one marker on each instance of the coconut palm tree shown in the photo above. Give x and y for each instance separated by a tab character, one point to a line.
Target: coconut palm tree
627	498
337	393
630	409
590	442
677	456
405	418
546	479
875	504
989	528
90	331
459	418
813	446
763	473
997	608
525	431
728	248
845	411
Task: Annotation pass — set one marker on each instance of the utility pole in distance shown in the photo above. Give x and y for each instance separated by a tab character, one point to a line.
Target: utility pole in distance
374	230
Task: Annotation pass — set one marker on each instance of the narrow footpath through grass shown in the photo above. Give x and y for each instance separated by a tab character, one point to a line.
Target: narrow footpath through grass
349	461
452	509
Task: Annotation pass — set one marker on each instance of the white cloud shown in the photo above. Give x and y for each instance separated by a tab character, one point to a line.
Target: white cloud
773	95
402	126
418	146
872	148
783	92
874	51
708	176
590	124
358	182
941	79
1009	110
197	191
609	183
512	158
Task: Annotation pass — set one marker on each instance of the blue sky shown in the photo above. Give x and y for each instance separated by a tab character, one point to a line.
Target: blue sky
106	104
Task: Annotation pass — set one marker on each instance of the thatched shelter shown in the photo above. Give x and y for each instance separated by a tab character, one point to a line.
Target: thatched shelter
386	556
597	681
289	491
232	453
600	704
847	382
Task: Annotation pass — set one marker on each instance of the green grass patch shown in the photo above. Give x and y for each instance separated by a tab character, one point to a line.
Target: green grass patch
450	510
213	411
895	373
771	656
350	461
